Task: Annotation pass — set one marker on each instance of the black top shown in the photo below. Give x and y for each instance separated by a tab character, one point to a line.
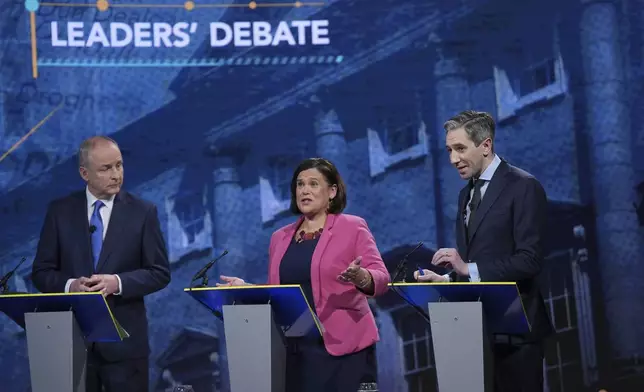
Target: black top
295	267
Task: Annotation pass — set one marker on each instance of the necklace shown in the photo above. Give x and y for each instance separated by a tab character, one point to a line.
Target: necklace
304	236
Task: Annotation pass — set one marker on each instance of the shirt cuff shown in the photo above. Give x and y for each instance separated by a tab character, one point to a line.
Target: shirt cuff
68	285
473	270
120	286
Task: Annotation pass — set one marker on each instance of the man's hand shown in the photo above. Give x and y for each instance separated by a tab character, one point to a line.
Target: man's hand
449	258
231	281
79	285
429	276
106	284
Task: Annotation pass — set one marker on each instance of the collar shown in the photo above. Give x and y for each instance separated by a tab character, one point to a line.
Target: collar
91	199
491	169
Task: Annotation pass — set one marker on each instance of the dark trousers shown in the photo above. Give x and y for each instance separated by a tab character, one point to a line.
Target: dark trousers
518	368
310	368
125	376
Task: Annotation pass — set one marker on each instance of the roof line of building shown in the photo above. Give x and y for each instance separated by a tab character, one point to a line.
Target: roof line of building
347	68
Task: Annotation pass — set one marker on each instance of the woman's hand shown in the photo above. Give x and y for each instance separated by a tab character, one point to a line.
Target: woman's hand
231	281
357	275
350	274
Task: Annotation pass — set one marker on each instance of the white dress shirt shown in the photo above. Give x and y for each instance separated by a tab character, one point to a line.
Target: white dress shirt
106	213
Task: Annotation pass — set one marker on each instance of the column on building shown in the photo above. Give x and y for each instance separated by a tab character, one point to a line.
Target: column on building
621	263
452	97
229	223
5	174
636	27
229	226
638	118
330	141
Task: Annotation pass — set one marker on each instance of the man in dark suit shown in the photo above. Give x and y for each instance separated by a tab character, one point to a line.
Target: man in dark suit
499	233
104	239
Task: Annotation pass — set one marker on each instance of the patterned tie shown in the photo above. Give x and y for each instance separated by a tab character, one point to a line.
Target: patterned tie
96	228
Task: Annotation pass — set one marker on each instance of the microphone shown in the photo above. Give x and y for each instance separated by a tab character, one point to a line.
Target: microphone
202	273
402	264
92	229
401	268
5	279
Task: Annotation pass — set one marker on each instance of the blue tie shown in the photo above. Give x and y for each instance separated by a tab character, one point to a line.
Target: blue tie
96	228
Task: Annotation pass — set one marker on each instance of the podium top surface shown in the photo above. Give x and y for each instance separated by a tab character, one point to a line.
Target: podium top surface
291	310
501	301
91	311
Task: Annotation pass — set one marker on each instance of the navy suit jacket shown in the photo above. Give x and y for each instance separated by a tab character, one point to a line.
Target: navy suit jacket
505	238
133	248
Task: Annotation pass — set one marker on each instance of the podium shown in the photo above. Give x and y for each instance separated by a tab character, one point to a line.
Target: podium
463	318
58	327
256	320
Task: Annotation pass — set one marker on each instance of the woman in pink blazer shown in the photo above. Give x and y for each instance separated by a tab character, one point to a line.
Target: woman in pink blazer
334	257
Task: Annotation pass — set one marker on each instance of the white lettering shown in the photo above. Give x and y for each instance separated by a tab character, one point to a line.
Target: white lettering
283	33
75	34
55	41
242	34
97	35
114	34
301	32
215	41
319	32
261	33
178	35
183	38
141	34
162	32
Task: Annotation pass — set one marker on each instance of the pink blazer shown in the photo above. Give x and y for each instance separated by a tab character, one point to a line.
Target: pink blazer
343	310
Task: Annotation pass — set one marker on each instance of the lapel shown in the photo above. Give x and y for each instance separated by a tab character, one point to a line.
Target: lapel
114	229
316	260
81	221
322	243
461	241
281	247
494	188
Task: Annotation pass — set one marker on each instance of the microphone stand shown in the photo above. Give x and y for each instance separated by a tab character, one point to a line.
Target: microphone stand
203	272
402	267
5	279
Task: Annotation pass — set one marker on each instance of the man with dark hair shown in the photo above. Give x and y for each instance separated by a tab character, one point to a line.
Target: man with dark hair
104	239
499	234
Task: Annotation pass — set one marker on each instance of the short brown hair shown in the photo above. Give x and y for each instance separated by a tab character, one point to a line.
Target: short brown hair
332	176
478	125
